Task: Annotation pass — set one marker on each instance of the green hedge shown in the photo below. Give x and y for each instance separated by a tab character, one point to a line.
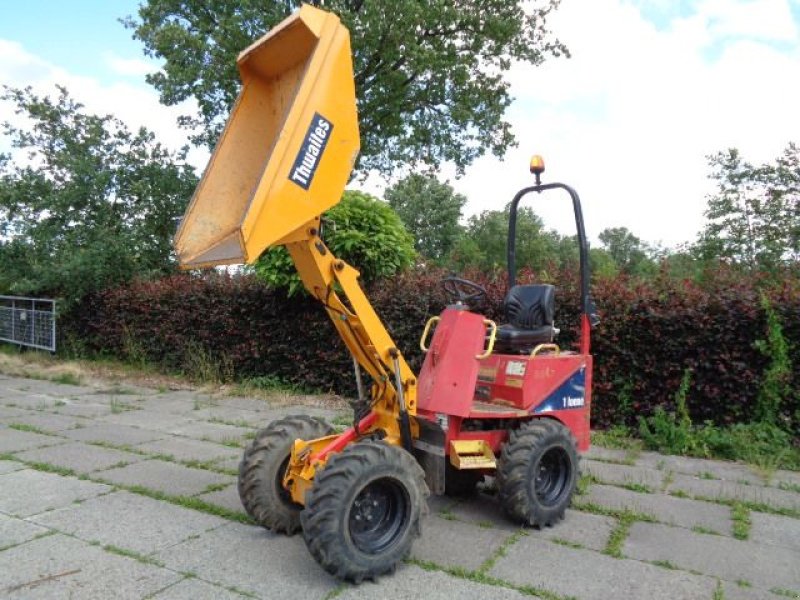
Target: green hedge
650	335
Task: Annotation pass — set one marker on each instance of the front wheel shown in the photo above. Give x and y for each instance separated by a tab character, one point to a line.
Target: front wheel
363	512
263	466
538	472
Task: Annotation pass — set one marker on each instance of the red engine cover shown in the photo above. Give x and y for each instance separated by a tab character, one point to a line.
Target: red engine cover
448	376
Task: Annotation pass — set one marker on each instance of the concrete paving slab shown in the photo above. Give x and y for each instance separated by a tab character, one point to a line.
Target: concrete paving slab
775	530
227	498
27	492
478	509
232	463
613	454
577	527
450	543
12	440
79	457
120	435
146	419
166	477
58	566
82	409
48	388
215	432
762	565
14	531
719	469
412	583
589	575
253	560
709	488
47	421
187	449
786	479
623	474
733	591
7	466
195	589
667	509
129	521
7	411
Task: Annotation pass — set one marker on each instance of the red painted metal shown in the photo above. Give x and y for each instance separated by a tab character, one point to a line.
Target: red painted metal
347	436
586	333
448	375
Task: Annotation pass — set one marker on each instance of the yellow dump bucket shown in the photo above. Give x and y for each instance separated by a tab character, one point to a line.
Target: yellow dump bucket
288	147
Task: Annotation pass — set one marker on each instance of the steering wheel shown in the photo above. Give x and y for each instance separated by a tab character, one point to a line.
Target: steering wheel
465	291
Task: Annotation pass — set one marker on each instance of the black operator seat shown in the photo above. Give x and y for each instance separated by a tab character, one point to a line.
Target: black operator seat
530	311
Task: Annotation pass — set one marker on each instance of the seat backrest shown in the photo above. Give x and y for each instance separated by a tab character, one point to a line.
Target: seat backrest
530	306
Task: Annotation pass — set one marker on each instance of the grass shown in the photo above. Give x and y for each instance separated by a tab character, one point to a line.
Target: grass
134	555
719	592
740	514
619	534
584	482
785	593
704	530
665	564
501	551
28	428
567	543
636	487
67	379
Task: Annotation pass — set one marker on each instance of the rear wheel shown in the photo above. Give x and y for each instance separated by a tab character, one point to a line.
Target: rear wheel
263	466
363	512
538	472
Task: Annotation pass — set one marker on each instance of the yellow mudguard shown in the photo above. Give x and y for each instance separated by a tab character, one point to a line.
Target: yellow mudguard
287	150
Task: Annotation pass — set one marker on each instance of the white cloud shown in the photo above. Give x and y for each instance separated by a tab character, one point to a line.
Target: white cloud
134	67
134	103
629	119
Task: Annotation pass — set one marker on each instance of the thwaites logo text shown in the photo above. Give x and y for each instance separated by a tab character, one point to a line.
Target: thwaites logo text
307	161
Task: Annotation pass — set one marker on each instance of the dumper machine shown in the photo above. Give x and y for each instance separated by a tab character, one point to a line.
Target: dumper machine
503	400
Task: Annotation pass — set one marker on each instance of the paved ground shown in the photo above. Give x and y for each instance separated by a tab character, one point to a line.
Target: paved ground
130	493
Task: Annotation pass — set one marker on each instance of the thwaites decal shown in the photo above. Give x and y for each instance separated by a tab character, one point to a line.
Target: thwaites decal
307	161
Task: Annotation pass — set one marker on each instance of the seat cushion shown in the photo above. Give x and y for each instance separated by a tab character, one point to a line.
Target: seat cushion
512	339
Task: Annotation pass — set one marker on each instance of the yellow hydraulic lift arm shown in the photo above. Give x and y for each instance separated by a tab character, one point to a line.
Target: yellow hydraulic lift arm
284	157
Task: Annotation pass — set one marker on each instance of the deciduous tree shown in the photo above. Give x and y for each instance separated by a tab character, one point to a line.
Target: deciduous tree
430	76
87	203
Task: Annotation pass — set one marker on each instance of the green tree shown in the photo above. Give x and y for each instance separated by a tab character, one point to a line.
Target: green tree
361	230
430	76
87	203
430	210
754	216
630	254
485	242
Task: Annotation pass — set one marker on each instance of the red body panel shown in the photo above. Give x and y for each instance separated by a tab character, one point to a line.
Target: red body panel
456	388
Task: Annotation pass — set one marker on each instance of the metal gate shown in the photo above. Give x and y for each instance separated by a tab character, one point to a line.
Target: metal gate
28	322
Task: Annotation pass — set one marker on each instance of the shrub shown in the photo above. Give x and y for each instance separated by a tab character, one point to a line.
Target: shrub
360	230
650	335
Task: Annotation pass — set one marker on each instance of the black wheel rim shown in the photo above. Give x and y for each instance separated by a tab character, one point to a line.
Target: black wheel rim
379	515
552	476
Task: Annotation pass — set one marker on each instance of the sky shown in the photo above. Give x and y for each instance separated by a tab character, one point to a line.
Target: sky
652	88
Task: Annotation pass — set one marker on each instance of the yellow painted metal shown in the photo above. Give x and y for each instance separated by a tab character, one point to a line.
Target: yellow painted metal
471	454
284	158
492	338
425	332
548	347
297	102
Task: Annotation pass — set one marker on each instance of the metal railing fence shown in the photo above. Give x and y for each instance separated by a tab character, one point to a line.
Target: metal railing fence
28	322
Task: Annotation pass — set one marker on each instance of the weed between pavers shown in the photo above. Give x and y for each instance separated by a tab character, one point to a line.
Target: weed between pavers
567	543
636	487
133	554
740	515
501	551
619	534
704	530
29	428
785	593
719	592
